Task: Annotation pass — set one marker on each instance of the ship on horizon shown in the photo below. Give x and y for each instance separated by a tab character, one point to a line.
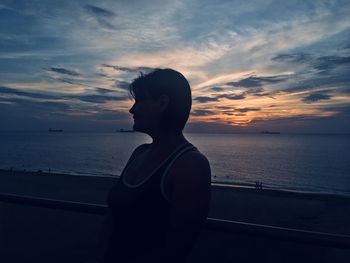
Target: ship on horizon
55	130
269	132
122	130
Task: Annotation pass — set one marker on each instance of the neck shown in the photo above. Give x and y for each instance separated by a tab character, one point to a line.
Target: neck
166	140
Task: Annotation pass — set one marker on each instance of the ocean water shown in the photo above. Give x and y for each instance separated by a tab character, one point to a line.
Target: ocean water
312	163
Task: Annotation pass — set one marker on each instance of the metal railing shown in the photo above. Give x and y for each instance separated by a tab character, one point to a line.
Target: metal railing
213	224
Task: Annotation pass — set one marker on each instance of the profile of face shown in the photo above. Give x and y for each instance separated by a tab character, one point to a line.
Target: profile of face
147	113
162	102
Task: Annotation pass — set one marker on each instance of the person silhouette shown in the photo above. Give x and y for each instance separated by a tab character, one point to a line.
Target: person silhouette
158	206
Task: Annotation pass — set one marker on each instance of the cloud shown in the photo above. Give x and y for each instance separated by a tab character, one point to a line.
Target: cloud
342	110
31	107
314	97
317	72
102	16
70	81
12	91
323	63
189	58
305	124
34	115
100	12
260	92
327	63
229	113
124	85
254	90
293	58
232	96
223	107
254	81
217	89
40	97
338	80
202	112
204	99
211	43
103	90
244	110
65	71
142	69
102	75
98	98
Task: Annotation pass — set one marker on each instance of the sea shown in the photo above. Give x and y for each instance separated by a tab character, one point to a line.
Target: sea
316	163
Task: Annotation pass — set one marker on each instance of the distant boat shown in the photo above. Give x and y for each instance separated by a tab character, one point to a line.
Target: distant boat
122	130
269	132
55	130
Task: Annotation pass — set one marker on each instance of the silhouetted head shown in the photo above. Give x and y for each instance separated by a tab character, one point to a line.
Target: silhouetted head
162	100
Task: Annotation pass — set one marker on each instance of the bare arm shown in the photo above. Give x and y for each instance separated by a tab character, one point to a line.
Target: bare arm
190	179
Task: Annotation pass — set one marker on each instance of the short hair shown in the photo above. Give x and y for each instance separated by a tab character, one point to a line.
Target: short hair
167	82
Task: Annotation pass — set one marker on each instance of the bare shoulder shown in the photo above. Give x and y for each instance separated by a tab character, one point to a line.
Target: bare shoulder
189	182
193	159
140	149
191	166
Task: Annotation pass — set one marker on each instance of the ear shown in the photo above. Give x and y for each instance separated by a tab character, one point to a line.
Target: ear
163	102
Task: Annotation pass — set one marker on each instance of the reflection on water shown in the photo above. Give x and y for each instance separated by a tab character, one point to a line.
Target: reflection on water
300	162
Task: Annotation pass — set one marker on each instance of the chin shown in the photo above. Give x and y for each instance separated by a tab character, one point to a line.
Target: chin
140	129
137	128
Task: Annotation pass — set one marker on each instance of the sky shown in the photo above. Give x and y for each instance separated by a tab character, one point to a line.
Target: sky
252	65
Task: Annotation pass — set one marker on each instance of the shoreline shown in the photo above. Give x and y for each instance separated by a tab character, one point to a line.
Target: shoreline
185	132
214	184
304	211
266	189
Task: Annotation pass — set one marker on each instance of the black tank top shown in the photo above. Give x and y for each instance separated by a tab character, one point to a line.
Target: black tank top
141	214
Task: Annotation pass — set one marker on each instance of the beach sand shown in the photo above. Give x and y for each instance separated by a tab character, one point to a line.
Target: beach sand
323	213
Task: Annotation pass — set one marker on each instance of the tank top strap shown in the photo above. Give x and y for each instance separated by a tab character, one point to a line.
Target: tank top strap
189	147
176	152
163	164
131	159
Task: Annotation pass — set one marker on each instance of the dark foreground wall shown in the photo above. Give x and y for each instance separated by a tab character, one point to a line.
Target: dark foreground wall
32	234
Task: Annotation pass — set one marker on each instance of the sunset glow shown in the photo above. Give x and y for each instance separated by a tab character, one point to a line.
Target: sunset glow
252	65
